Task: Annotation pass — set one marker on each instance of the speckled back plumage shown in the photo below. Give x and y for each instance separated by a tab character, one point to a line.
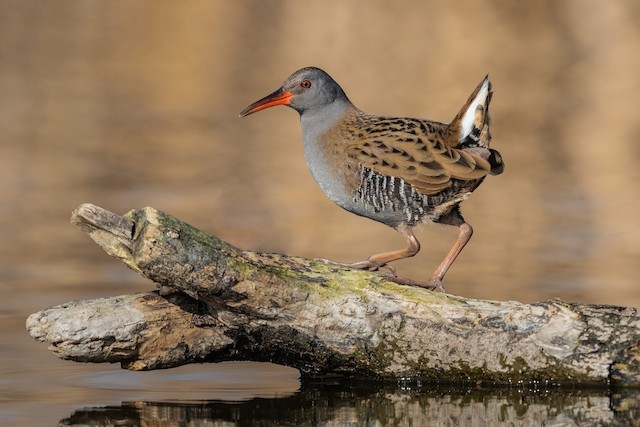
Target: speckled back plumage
412	170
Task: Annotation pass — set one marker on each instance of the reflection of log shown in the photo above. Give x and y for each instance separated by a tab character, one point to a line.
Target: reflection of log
219	303
317	404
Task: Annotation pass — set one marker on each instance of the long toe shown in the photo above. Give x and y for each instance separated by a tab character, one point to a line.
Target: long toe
435	284
431	284
387	270
360	265
366	265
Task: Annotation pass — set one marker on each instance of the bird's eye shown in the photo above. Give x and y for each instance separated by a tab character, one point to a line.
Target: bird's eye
305	84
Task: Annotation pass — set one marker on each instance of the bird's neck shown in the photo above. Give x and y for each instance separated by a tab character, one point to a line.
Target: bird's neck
317	122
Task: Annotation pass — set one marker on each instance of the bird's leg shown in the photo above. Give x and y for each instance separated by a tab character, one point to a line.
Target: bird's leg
377	261
466	231
374	262
435	282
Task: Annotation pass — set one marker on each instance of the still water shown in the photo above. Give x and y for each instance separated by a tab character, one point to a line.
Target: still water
367	405
133	104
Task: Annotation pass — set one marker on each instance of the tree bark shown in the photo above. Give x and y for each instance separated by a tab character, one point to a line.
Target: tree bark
217	302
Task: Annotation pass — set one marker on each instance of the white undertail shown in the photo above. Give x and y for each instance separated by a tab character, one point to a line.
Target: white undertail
468	121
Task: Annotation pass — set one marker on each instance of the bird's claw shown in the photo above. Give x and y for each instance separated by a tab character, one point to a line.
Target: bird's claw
368	265
391	270
434	284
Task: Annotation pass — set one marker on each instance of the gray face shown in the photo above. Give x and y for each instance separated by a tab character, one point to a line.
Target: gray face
312	89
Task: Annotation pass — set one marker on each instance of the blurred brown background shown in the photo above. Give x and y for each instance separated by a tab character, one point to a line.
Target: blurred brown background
133	104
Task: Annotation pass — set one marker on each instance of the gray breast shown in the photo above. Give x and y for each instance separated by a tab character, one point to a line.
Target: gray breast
327	175
325	171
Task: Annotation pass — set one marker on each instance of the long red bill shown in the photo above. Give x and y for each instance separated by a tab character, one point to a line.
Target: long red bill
279	97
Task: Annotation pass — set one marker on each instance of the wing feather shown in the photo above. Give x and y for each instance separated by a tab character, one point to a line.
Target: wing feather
416	151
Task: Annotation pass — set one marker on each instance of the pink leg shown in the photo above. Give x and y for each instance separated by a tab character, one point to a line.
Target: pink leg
466	231
376	261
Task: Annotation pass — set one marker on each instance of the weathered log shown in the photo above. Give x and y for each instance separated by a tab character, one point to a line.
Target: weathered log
217	302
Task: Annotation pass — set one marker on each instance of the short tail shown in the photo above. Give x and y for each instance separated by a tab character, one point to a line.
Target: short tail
471	126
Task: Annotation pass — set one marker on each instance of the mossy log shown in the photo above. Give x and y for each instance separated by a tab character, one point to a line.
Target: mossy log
217	302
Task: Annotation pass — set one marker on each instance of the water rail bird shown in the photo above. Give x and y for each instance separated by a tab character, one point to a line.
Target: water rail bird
399	171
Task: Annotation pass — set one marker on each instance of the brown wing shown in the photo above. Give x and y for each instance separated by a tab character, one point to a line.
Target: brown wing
415	151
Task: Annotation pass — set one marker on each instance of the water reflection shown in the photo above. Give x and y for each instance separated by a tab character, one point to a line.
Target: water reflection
367	405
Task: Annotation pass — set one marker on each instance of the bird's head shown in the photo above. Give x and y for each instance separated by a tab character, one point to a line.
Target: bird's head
305	90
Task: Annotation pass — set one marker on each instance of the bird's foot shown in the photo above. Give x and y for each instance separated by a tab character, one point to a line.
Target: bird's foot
368	265
372	265
388	272
435	284
432	284
391	271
